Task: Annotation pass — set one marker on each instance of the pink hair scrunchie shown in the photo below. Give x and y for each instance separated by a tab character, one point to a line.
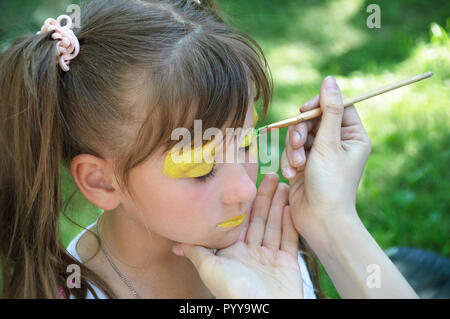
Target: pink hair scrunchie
68	45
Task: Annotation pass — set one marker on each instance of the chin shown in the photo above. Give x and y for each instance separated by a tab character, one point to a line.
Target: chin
229	239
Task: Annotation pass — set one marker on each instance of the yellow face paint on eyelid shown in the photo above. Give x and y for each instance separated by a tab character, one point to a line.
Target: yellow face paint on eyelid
184	165
255	117
250	139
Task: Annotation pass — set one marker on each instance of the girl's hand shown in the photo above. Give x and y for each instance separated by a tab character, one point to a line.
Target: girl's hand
325	163
263	263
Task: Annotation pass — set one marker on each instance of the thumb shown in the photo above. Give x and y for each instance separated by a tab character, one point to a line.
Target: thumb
329	132
196	254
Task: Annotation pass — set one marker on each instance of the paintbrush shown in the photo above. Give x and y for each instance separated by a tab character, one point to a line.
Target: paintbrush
347	102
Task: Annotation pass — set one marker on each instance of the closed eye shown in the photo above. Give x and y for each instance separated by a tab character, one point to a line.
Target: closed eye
204	178
207	176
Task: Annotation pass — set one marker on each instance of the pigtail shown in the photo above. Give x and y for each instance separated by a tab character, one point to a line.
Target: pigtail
30	144
33	259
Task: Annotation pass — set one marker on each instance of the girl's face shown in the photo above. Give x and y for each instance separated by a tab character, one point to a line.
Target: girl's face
189	210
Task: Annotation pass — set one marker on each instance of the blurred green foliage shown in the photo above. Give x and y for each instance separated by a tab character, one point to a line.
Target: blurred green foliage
403	198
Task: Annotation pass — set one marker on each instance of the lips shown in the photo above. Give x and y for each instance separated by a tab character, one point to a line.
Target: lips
232	222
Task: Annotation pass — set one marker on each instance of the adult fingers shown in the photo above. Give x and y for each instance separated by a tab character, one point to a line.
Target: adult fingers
294	152
351	116
354	132
272	232
296	135
314	103
286	169
352	120
313	124
261	208
311	104
309	142
329	132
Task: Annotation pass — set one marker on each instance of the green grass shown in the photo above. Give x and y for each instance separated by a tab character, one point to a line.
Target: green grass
403	198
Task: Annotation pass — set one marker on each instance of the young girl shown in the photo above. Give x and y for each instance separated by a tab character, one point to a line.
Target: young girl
103	102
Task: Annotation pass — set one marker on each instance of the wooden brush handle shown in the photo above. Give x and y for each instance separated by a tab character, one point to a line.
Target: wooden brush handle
347	102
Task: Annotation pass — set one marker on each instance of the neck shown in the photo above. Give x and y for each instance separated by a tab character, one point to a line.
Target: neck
147	257
132	244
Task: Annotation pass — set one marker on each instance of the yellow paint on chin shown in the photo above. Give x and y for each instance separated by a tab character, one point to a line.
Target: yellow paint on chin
232	222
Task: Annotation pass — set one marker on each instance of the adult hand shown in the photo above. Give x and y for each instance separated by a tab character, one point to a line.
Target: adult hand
325	162
263	263
333	152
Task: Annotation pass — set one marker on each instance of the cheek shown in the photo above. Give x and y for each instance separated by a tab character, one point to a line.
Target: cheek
252	171
181	210
193	200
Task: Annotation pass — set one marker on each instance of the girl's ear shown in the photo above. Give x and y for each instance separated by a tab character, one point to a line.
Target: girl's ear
95	179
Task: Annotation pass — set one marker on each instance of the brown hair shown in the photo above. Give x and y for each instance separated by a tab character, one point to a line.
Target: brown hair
179	59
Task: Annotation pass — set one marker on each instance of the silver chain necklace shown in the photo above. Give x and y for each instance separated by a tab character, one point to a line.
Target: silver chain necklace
122	276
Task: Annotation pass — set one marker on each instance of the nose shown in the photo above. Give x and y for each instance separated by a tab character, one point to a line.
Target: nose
239	187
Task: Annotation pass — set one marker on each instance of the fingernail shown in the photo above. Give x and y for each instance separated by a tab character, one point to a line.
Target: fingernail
330	83
288	172
296	138
296	157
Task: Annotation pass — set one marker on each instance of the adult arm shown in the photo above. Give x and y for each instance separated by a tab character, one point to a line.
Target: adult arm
324	164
